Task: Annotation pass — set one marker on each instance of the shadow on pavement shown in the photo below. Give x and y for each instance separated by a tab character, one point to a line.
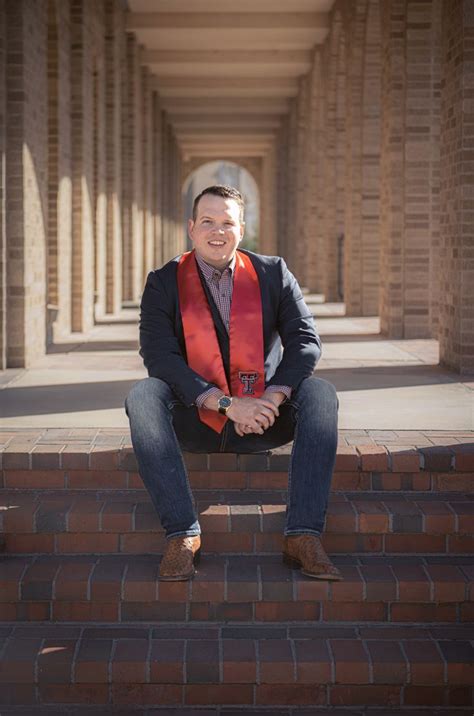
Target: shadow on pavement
92	347
106	395
67	398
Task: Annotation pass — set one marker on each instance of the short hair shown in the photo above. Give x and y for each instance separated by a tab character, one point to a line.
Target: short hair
226	192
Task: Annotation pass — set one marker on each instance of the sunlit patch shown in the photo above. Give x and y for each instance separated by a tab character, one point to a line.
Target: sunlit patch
51	649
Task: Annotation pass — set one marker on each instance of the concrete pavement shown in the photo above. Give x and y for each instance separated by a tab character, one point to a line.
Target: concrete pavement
382	384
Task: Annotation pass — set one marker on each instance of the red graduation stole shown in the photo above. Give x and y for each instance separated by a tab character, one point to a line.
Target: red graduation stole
247	376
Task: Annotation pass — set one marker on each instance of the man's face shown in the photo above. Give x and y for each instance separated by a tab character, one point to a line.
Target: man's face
217	231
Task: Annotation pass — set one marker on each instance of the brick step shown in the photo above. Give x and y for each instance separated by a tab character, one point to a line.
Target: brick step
230	666
252	521
250	588
66	710
113	478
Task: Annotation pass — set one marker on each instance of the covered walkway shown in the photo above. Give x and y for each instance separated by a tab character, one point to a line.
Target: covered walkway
353	118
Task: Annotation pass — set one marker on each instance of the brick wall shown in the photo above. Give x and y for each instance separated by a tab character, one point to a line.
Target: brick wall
26	172
456	266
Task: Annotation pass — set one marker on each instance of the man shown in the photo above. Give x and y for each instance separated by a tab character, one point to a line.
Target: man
211	329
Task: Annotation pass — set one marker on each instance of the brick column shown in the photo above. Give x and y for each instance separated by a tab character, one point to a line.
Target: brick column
315	176
114	38
133	248
148	168
59	171
300	238
181	234
282	188
177	201
353	265
3	238
138	176
408	129
166	149
267	225
370	198
158	179
456	271
88	162
333	167
26	208
95	29
127	169
291	194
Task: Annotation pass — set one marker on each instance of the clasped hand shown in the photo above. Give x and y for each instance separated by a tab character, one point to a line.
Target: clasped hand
252	415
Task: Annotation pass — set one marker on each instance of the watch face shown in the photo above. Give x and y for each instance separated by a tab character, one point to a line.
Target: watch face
225	402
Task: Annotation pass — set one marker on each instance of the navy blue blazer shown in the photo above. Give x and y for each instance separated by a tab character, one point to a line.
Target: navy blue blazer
287	322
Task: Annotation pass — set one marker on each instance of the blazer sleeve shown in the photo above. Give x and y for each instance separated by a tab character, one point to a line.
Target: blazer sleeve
295	324
159	344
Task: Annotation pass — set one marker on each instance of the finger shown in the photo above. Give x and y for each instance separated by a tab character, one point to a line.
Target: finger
267	415
269	404
266	411
271	417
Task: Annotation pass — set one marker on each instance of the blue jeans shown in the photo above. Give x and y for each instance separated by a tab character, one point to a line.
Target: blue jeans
161	426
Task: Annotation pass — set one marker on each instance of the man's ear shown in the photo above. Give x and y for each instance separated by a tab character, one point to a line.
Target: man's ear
242	229
190	229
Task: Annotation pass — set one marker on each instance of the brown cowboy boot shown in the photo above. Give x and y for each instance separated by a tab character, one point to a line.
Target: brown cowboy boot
307	552
178	561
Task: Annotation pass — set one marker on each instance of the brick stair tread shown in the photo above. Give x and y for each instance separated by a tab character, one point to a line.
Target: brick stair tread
35	510
229	477
243	710
156	666
65	710
260	588
404	450
234	522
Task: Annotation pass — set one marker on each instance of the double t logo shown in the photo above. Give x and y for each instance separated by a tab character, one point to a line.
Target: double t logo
248	379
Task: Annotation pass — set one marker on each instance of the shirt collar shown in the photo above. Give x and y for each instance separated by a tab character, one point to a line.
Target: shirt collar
209	270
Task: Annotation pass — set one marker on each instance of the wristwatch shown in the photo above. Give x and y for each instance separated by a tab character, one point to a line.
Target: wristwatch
223	404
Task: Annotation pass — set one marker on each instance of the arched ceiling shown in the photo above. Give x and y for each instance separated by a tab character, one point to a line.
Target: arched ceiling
226	70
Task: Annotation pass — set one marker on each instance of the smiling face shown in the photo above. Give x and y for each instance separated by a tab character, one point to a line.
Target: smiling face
217	231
